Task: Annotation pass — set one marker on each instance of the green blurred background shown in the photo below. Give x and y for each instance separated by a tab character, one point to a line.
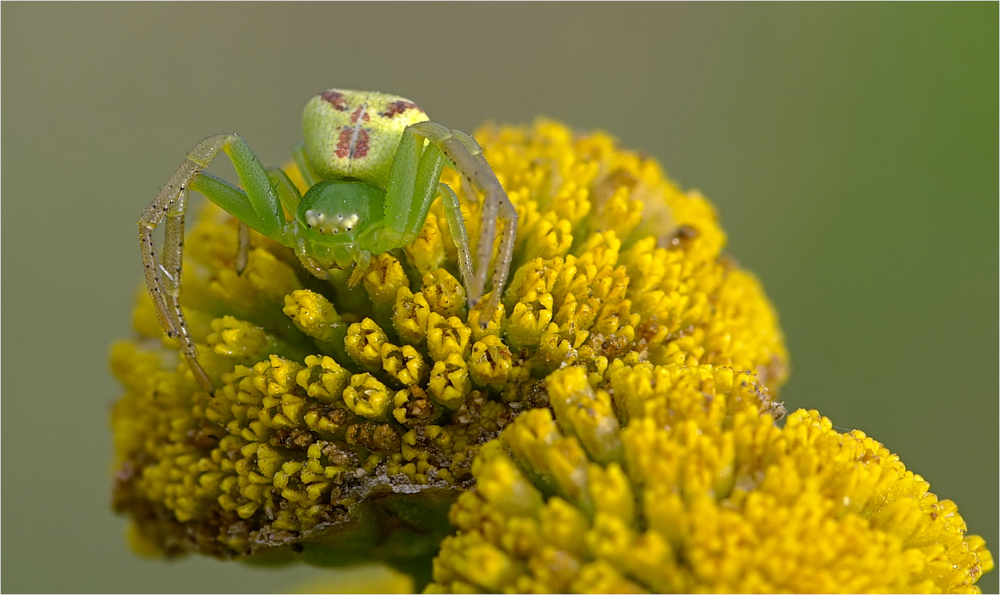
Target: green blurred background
851	151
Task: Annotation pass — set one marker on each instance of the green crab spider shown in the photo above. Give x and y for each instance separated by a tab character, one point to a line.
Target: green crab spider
373	164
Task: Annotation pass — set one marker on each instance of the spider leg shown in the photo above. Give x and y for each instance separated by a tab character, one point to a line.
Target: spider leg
243	247
289	196
163	280
257	208
410	190
413	186
456	225
302	163
467	157
308	262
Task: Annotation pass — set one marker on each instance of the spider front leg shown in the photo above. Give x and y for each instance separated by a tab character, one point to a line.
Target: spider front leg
468	160
413	184
258	208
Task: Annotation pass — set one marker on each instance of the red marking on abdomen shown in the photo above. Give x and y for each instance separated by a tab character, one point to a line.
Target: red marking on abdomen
336	99
361	112
353	145
397	107
344	143
362	145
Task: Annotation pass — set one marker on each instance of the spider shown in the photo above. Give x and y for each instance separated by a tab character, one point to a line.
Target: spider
373	164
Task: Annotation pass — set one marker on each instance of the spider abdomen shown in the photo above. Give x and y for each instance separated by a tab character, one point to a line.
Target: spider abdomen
354	134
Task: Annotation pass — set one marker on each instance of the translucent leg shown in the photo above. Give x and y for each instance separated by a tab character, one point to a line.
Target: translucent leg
258	208
508	214
243	247
465	154
163	281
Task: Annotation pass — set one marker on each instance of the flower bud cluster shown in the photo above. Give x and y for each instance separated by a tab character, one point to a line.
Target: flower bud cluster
345	405
692	487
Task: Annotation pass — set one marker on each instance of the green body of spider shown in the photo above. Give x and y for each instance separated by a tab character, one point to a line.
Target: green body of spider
373	164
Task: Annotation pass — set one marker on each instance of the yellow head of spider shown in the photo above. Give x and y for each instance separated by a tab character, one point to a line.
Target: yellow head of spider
354	134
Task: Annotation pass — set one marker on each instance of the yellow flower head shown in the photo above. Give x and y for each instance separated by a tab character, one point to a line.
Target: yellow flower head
346	408
692	487
352	412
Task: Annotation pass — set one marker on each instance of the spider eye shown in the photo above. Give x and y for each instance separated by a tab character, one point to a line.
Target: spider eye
332	224
314	219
